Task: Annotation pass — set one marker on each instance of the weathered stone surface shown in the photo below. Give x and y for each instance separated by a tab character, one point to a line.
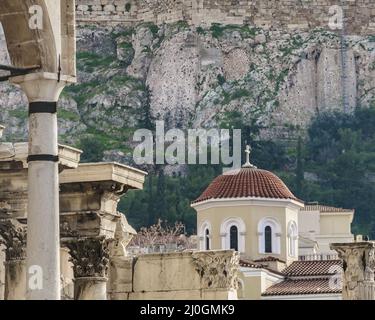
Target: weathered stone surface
13	237
2	271
172	270
274	13
186	271
167	295
90	257
15	280
359	268
90	288
120	276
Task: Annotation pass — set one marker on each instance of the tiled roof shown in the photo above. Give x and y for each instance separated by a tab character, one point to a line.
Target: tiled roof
257	265
302	286
247	182
250	264
323	208
269	259
312	268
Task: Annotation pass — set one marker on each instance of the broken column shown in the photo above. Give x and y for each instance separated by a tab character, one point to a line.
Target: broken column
358	269
13	212
13	236
120	264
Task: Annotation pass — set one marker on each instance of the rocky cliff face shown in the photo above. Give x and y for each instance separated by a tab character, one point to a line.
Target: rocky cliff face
196	76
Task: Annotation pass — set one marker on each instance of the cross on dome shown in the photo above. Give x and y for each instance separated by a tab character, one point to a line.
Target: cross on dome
247	163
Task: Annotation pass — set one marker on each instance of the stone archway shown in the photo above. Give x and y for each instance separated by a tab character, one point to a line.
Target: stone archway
52	47
47	51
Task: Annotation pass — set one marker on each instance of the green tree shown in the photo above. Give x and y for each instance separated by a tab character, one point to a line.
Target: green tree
93	149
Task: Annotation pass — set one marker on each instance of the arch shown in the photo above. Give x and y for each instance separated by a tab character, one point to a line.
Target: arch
29	47
205	235
292	238
269	233
227	242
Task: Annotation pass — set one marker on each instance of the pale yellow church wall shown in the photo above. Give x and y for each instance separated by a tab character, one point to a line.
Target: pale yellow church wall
335	224
252	287
251	216
309	223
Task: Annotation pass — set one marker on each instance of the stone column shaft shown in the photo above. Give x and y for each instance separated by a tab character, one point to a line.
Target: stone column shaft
15	280
43	239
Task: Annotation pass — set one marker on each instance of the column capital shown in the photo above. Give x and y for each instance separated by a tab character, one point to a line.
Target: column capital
218	269
358	269
42	86
90	256
13	236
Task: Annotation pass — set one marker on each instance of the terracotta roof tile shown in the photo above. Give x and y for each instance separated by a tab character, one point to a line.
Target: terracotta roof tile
269	259
312	268
247	182
251	264
301	286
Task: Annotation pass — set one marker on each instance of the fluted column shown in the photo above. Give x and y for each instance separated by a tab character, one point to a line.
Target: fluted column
90	258
13	236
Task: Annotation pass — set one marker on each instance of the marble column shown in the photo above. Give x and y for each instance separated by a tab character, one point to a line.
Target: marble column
43	245
13	237
90	258
358	269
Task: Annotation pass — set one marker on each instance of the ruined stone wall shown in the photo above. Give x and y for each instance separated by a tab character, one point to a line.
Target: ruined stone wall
290	14
205	275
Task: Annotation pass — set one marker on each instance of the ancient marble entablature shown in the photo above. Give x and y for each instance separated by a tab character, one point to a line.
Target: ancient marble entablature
89	220
13	176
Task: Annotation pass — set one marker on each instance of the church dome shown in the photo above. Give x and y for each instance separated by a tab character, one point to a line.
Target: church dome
247	182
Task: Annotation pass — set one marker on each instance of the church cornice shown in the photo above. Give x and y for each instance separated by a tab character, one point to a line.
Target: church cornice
247	201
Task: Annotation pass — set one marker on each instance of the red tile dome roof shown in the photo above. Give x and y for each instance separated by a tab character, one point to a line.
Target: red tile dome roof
247	182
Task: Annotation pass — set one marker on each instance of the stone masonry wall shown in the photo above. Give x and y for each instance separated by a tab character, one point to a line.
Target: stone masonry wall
290	14
199	275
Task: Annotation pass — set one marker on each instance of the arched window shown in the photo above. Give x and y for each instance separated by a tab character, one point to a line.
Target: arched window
232	233
269	233
292	239
268	239
234	238
205	233
207	239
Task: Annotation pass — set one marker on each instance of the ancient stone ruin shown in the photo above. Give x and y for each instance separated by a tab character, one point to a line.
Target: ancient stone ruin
265	14
93	235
